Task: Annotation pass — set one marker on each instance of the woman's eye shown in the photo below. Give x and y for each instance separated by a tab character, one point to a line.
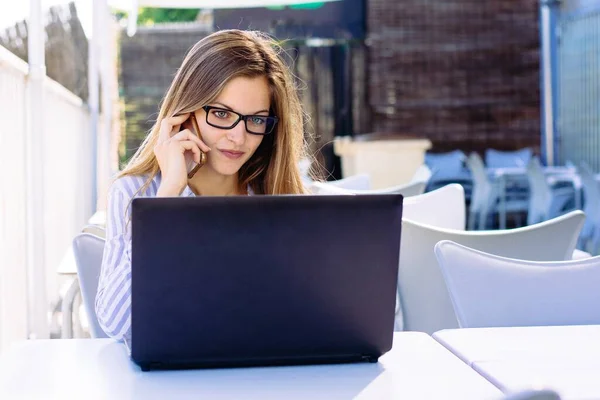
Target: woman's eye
258	120
221	114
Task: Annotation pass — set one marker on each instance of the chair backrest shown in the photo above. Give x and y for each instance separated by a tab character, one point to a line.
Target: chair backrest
423	295
494	291
409	189
447	166
304	166
94	230
422	174
88	250
443	207
99	218
591	192
506	159
540	194
354	182
533	394
482	194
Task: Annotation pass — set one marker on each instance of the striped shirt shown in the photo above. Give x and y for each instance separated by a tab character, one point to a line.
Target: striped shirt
113	299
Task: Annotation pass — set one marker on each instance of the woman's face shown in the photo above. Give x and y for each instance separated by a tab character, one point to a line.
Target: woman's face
231	148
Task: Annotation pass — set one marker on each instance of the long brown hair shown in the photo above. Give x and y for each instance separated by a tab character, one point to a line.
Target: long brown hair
206	69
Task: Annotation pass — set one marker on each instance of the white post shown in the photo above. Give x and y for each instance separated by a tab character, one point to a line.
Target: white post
93	90
547	86
132	18
105	167
36	276
547	77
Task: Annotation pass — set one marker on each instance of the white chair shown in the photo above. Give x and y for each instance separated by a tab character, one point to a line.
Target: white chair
68	300
507	159
533	394
483	196
580	254
545	202
445	208
94	230
354	182
423	295
442	208
88	250
590	234
422	174
486	194
304	166
494	291
409	189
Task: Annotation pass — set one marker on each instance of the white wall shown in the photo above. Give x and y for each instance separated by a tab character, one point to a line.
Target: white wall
67	173
13	235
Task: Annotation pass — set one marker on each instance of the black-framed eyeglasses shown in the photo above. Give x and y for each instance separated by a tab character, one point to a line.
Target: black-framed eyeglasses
224	118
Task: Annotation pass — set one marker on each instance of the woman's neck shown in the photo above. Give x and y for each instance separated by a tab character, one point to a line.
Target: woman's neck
207	182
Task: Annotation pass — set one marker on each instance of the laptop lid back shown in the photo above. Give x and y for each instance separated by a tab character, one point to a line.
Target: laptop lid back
253	280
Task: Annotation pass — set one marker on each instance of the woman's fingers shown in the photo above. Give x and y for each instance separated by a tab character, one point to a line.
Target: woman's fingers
168	126
193	147
188	135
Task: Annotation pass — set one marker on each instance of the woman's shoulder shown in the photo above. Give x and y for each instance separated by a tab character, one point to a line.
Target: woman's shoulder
136	185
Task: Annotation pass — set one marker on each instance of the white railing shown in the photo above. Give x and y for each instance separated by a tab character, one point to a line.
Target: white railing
67	187
68	175
13	212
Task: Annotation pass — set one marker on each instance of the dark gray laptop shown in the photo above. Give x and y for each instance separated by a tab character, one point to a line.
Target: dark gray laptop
263	280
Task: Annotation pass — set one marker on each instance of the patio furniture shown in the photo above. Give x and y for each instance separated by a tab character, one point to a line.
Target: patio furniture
88	250
424	297
489	290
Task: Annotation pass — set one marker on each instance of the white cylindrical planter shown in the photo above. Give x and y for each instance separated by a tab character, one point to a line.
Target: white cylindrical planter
389	160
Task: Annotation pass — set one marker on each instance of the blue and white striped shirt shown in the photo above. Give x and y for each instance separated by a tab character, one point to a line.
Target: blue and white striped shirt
113	299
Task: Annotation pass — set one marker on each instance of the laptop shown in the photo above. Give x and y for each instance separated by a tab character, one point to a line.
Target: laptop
263	280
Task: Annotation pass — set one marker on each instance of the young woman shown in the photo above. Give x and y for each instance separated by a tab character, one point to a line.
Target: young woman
233	111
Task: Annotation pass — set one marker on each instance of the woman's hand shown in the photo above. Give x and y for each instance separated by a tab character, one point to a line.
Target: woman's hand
174	151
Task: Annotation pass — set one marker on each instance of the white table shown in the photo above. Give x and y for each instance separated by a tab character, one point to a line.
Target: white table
564	358
416	368
579	381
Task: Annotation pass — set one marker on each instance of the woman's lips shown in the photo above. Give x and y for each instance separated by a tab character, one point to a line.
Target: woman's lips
232	154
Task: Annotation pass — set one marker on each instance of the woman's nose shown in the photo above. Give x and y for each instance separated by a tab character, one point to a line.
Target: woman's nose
238	133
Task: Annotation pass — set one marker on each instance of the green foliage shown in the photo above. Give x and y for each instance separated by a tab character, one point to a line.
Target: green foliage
151	16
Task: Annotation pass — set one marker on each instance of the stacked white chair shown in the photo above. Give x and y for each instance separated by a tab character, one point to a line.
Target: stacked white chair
590	234
545	202
422	291
487	290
